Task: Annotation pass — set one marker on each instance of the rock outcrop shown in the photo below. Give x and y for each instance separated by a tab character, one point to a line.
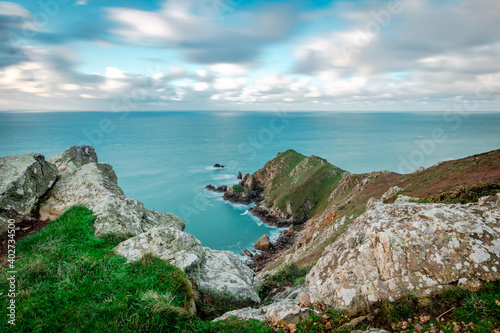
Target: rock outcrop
224	276
220	189
288	189
76	178
23	180
219	274
95	186
284	309
172	245
263	243
400	248
74	158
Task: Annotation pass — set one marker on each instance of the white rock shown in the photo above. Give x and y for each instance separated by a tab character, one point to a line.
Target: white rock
406	246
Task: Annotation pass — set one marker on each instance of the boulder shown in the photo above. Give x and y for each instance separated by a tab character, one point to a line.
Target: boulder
396	249
95	186
222	188
391	192
210	187
248	253
73	158
23	180
283	309
217	165
264	243
218	275
240	176
223	276
172	245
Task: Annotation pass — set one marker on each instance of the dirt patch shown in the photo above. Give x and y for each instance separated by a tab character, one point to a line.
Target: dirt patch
25	226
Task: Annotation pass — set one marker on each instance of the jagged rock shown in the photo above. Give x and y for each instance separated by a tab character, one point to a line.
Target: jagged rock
73	158
248	253
217	165
221	189
222	275
95	186
174	246
391	192
403	198
244	178
23	180
240	176
283	309
407	248
264	243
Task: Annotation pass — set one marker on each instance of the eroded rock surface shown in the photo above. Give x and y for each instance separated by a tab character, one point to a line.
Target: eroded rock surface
224	275
219	274
73	158
95	186
284	308
172	245
395	249
23	180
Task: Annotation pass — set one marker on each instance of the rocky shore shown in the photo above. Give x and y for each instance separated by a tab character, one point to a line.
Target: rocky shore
360	240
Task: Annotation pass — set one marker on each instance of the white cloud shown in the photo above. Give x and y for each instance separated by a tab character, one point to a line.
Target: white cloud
228	69
14	9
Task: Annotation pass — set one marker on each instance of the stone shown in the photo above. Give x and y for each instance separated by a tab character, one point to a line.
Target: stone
283	309
391	192
94	185
264	243
240	176
248	253
490	199
73	158
24	179
414	248
172	245
287	312
222	275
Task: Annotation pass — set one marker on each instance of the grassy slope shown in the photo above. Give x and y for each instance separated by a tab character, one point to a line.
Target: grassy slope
315	181
69	281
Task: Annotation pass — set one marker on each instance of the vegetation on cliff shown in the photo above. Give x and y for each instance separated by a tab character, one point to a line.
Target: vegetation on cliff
70	281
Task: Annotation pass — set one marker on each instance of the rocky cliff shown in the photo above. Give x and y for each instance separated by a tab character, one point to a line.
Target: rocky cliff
381	235
30	184
289	189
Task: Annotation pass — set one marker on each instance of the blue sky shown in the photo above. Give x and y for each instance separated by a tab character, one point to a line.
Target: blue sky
368	55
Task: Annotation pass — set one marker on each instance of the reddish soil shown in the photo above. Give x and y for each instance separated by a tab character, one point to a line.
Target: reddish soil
24	226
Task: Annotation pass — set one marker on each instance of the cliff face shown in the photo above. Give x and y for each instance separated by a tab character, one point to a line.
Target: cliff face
289	189
75	177
381	235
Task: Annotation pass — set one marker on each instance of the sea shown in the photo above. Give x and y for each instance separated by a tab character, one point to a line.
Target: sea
165	159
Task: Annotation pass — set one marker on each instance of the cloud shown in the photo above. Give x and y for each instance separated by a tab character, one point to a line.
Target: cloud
195	28
427	50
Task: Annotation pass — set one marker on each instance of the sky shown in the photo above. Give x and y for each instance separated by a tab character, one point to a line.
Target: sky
296	55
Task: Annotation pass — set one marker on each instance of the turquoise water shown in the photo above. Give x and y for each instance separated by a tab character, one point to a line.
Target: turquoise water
165	159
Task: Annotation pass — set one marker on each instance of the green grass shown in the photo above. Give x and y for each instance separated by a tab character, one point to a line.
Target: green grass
481	308
311	185
290	275
69	281
238	189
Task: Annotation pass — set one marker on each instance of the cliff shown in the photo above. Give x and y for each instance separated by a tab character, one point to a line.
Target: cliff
289	189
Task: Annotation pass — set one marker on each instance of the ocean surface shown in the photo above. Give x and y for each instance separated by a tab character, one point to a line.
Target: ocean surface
165	159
